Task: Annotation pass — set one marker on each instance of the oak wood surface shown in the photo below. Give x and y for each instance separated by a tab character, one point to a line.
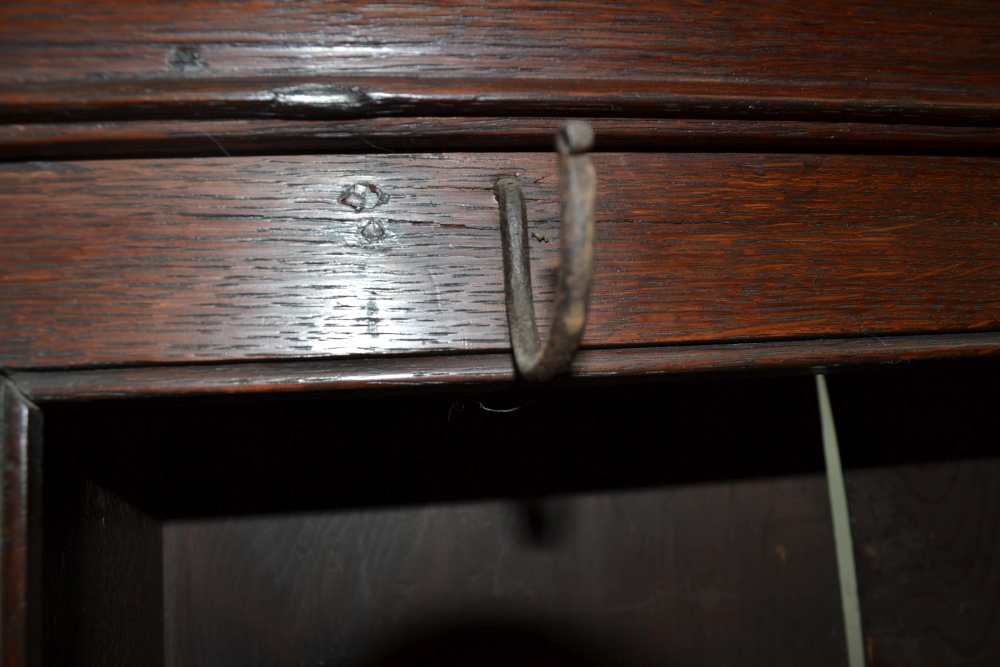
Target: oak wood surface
223	138
493	370
20	529
901	59
129	262
253	275
364	97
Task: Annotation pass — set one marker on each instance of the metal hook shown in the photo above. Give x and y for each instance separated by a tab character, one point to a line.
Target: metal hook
577	186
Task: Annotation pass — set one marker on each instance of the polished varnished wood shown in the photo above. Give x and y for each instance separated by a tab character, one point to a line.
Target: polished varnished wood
364	97
224	138
494	370
20	523
116	58
130	262
206	198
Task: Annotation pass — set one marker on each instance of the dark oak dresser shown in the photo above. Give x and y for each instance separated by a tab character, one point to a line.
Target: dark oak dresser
492	333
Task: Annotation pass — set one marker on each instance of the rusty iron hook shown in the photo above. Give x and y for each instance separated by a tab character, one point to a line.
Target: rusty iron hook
577	186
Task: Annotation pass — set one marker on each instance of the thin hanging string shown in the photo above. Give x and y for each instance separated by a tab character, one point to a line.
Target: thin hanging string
842	540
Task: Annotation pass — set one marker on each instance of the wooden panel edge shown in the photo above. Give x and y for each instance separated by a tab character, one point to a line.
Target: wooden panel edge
369	97
228	138
492	369
20	530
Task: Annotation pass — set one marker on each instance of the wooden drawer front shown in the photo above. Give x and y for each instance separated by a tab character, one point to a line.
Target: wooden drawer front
143	261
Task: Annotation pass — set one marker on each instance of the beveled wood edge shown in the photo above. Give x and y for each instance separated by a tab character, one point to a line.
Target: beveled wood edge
374	96
20	540
491	369
227	138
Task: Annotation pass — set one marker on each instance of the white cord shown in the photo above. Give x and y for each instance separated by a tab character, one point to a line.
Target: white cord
841	530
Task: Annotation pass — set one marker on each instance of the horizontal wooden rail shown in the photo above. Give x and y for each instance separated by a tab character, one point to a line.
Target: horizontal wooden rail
890	61
491	370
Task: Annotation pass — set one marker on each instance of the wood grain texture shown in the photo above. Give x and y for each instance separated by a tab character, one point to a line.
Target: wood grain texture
364	97
129	262
484	371
103	603
20	513
860	58
454	585
923	481
224	138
